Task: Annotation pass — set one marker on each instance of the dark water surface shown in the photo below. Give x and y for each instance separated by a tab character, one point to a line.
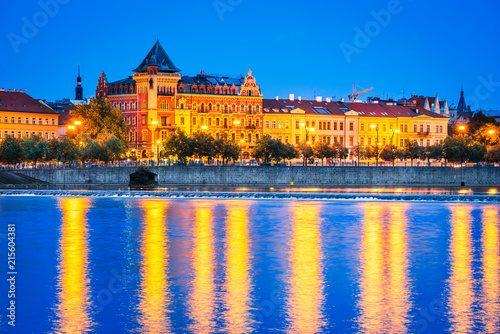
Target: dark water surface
146	265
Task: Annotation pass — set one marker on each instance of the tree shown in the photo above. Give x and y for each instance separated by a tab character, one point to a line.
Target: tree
34	148
488	134
434	152
290	152
322	151
64	150
362	152
11	150
305	151
462	148
479	120
100	117
413	151
204	146
266	150
114	148
388	153
227	150
340	151
493	154
179	145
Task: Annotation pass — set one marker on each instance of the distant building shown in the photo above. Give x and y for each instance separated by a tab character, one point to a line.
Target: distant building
23	116
421	103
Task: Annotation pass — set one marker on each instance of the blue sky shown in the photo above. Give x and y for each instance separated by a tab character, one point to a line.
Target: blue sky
306	48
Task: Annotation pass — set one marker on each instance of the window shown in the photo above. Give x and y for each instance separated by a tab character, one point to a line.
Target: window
46	121
280	138
362	126
249	109
287	125
428	142
320	125
334	126
313	124
266	124
328	125
217	107
182	120
53	122
249	137
217	122
46	135
362	141
226	108
242	108
428	130
414	127
144	120
257	109
421	142
257	122
297	125
12	120
194	106
39	121
421	128
163	105
19	134
351	126
384	127
27	134
144	135
369	140
194	120
273	124
280	125
297	139
256	137
19	120
286	139
341	126
351	140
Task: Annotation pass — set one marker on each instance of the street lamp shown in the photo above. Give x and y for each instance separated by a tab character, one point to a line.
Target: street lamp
373	126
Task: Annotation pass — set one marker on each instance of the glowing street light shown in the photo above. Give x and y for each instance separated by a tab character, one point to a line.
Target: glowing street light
491	132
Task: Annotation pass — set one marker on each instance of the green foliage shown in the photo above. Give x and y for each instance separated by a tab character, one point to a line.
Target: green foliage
305	151
434	152
290	152
227	150
463	148
179	145
493	154
413	151
323	150
11	150
488	134
203	146
388	153
268	150
114	148
34	148
100	118
340	151
479	120
362	152
64	150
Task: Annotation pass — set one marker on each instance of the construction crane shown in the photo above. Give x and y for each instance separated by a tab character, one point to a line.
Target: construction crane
355	94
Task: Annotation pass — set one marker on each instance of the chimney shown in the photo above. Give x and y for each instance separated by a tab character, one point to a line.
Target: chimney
319	98
341	100
2	89
277	98
300	98
328	99
291	97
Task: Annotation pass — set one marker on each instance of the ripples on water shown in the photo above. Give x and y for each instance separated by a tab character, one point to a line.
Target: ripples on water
103	265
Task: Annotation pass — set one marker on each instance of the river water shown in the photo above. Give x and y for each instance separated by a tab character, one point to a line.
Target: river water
194	265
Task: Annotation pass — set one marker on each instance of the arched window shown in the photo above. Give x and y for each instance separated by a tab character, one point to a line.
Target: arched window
249	93
182	105
233	108
217	107
249	137
249	108
233	136
194	106
242	108
226	108
163	105
257	109
210	107
144	105
202	109
256	137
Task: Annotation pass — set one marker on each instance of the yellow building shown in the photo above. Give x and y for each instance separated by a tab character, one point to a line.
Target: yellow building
397	125
23	116
294	121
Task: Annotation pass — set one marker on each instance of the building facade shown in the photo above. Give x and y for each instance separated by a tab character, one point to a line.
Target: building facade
157	99
23	116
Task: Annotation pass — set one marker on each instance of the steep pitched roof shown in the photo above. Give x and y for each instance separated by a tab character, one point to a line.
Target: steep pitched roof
157	57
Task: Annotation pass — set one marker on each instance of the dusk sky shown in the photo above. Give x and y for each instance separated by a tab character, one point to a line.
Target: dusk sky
306	48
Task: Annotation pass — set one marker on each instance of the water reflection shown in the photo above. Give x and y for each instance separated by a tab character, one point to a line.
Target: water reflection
73	309
154	298
384	296
202	301
238	282
491	270
461	284
305	296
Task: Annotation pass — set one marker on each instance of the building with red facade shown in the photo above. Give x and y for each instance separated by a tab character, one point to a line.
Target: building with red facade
157	99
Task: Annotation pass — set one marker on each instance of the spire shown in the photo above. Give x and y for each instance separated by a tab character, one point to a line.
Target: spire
462	106
157	57
79	88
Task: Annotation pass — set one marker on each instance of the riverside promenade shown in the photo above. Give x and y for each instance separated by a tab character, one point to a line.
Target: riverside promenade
267	176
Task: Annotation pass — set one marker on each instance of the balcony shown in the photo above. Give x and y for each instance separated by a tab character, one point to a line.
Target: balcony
423	133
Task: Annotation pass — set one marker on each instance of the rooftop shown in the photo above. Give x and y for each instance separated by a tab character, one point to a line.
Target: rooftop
19	101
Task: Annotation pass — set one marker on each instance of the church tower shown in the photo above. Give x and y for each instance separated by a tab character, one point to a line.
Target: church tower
462	106
79	88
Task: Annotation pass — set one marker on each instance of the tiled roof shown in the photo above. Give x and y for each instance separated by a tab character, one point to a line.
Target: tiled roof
128	80
372	110
157	57
310	107
64	118
22	102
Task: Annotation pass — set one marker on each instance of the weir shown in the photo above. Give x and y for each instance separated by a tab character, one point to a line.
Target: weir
266	176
